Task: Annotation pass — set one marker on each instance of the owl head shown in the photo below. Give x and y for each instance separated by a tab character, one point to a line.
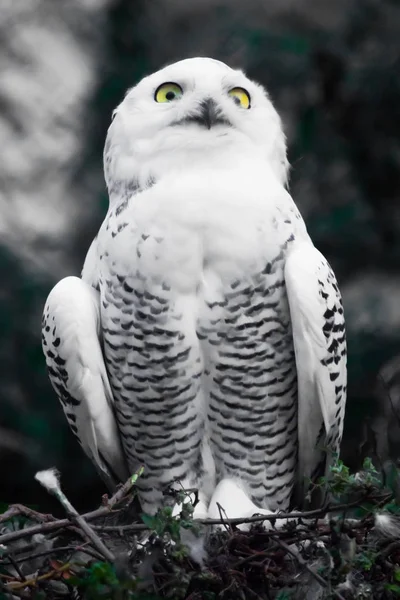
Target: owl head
194	111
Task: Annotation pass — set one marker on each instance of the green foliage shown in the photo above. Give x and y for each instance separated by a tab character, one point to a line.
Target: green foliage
393	587
341	483
165	524
284	595
99	581
365	560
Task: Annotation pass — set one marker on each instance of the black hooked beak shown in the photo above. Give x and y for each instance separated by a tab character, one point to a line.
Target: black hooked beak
209	113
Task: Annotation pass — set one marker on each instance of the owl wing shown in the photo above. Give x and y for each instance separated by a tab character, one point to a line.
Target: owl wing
71	344
320	348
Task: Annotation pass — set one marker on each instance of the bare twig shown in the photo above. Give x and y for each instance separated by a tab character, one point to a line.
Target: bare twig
223	517
16	567
28	547
6	538
109	505
71	548
54	488
389	549
32	581
318	512
19	509
304	564
106	508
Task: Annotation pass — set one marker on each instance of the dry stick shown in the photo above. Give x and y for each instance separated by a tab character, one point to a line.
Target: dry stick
104	510
49	479
45	527
51	482
89	532
16	567
389	549
29	547
224	518
71	549
317	512
19	509
304	564
32	580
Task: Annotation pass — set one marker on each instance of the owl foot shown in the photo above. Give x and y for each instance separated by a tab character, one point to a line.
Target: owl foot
229	500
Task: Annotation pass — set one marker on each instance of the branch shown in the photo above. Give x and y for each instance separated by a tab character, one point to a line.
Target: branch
107	508
19	509
32	581
71	548
304	564
50	480
103	511
310	514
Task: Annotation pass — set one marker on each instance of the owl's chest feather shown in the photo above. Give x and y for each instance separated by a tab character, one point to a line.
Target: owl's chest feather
213	229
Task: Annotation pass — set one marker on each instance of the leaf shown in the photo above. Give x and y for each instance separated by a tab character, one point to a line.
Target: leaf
136	476
369	466
365	509
392	507
284	595
167	511
186	524
149	521
393	587
366	560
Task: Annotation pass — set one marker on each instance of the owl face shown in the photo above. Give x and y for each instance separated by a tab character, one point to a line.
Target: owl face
194	108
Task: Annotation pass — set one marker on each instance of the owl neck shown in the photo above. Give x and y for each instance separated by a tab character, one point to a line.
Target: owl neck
149	166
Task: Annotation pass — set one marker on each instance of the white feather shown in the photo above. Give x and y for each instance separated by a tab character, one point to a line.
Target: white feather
49	479
387	525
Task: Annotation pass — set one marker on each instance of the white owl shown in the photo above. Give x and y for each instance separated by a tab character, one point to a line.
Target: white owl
205	339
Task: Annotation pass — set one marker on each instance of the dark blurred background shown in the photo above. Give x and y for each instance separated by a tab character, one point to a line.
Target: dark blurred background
333	71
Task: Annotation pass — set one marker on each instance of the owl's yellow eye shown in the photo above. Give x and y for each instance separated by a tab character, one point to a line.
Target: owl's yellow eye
168	92
240	96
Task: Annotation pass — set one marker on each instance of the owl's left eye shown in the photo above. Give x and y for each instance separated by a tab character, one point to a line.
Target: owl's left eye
168	92
240	96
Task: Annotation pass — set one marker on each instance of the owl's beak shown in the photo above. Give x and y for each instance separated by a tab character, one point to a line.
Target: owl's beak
209	114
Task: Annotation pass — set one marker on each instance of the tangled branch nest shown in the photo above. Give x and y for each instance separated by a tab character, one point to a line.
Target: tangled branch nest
349	549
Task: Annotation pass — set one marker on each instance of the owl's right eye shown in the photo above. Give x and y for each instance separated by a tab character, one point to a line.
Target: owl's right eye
168	92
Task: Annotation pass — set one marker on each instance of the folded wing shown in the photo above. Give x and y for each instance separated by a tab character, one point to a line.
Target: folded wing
71	344
320	347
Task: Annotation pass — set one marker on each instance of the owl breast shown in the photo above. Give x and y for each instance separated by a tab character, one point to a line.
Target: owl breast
197	338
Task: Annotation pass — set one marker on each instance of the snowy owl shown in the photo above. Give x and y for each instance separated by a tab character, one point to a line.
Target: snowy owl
205	339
